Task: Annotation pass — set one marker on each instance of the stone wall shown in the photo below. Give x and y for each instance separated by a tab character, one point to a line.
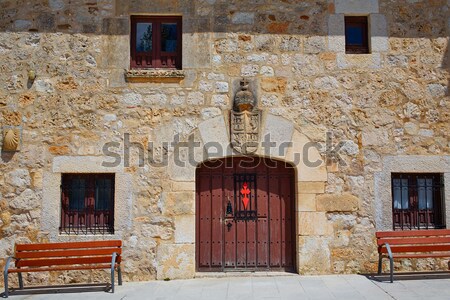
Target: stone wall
393	101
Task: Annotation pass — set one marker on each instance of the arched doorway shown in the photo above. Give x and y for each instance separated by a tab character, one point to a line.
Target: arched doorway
245	217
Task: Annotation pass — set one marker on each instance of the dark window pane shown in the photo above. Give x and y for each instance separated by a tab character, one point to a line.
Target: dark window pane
354	35
144	38
77	195
401	200
103	193
168	37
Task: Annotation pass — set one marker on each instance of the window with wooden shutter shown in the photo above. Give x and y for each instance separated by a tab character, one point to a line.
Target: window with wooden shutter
156	42
87	204
356	35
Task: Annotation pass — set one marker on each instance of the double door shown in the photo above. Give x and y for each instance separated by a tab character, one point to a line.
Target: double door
245	215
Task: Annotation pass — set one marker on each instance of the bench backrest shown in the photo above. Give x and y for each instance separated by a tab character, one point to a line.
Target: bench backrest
71	253
415	240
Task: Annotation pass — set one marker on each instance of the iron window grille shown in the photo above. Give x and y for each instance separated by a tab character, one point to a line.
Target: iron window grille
418	201
87	204
156	42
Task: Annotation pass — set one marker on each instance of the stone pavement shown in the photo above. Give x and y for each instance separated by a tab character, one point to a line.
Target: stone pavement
262	287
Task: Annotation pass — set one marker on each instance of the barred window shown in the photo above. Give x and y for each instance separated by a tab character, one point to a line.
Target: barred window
418	201
87	204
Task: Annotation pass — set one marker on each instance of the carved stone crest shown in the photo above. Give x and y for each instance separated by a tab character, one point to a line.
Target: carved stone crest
245	120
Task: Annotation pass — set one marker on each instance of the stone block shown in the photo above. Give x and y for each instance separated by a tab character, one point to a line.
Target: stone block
311	187
27	200
378	33
85	164
279	131
313	223
116	49
178	203
20	25
249	70
358	61
243	18
336	33
175	261
337	203
18	178
306	202
193	55
356	6
185	229
220	100
315	44
214	135
314	255
116	26
274	84
195	98
305	155
36	179
183	185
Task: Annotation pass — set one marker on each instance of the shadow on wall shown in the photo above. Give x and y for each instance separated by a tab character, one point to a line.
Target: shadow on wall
307	18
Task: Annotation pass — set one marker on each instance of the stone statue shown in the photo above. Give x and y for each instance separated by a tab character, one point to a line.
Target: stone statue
245	121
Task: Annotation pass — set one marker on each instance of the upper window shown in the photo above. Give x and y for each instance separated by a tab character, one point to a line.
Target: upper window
87	204
356	35
418	201
155	42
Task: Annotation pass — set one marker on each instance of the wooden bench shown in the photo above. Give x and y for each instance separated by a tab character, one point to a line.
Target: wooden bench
64	257
412	244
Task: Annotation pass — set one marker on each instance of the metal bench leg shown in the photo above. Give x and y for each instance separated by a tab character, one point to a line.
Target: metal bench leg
113	265
20	280
380	264
119	274
5	276
391	261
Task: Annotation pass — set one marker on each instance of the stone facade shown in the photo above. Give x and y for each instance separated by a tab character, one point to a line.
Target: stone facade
386	108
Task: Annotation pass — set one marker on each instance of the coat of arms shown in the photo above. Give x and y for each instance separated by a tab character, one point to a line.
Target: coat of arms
245	121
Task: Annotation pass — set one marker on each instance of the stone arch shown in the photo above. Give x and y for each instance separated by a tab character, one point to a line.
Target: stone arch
309	181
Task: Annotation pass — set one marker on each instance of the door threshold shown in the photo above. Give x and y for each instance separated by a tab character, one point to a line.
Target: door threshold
242	274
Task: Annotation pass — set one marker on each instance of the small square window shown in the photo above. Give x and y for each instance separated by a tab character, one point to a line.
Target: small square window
87	204
356	35
155	42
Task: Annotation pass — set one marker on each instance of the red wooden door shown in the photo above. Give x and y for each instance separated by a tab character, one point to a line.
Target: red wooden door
245	215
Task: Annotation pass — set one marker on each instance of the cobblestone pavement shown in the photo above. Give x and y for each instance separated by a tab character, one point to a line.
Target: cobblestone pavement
259	287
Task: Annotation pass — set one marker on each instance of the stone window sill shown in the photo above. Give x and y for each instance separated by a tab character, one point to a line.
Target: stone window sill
154	75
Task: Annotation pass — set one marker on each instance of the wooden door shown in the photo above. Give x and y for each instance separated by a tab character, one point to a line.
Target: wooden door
245	215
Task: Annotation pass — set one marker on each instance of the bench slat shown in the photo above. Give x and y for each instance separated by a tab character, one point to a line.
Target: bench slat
424	248
65	261
68	253
26	270
413	233
423	255
70	245
414	241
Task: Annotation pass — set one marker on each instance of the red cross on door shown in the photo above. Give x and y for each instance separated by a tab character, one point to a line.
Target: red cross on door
245	193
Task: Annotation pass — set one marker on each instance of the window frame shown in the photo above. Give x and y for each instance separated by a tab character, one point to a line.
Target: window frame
415	216
362	22
86	218
156	53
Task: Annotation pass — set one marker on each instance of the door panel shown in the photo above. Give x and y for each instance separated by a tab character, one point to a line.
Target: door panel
216	222
245	216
